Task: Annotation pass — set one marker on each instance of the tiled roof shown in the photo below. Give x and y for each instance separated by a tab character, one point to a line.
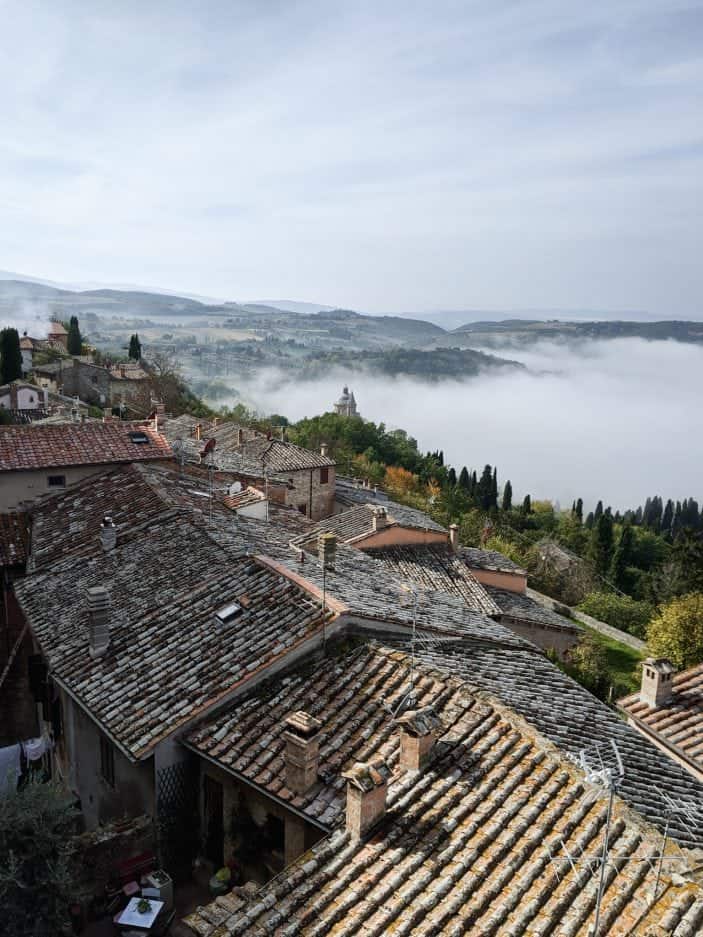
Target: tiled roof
168	659
436	566
575	721
521	607
679	722
490	838
242	498
280	456
14	538
37	447
477	558
356	523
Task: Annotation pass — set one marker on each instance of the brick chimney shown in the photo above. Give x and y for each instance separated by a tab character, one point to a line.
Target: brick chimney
98	621
108	534
323	449
419	729
367	786
657	681
380	518
454	536
302	754
327	550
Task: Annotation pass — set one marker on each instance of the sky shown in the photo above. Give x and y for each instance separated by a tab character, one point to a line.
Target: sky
614	420
383	156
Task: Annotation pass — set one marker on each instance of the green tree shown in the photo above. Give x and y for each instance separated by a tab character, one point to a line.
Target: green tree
677	631
620	611
600	549
527	505
10	356
622	559
590	663
75	339
484	489
135	347
464	479
507	496
39	868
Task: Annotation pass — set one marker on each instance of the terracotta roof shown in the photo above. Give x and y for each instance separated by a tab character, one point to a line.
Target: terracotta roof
476	558
356	523
14	539
436	566
679	722
56	328
521	607
168	658
36	447
241	498
490	838
574	720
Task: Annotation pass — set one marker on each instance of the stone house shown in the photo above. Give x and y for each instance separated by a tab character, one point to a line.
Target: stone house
36	461
24	401
57	335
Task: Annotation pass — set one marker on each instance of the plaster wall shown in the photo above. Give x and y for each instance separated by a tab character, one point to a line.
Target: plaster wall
512	582
544	637
19	488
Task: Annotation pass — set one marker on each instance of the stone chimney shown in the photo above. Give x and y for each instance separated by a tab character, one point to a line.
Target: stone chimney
98	621
197	430
327	550
108	534
367	786
302	754
380	518
323	449
657	681
419	729
454	536
240	436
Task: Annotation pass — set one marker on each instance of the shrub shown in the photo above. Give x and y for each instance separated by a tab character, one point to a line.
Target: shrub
620	611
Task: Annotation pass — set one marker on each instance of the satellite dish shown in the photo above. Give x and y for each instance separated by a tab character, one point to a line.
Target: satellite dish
179	451
235	488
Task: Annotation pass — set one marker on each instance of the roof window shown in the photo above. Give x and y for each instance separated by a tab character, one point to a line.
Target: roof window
227	614
138	437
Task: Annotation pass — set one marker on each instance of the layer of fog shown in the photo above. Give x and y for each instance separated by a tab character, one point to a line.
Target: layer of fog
619	420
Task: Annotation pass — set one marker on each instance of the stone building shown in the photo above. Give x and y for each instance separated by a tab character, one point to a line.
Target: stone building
24	401
57	335
346	405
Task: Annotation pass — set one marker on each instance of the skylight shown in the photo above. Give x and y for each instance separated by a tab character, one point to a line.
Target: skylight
139	438
227	614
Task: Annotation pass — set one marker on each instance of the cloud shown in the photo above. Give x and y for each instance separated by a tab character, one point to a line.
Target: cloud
380	156
618	420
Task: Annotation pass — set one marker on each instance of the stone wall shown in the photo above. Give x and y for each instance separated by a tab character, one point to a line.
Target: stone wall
307	494
88	381
18	712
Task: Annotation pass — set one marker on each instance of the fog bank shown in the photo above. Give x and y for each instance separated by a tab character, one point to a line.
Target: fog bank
619	420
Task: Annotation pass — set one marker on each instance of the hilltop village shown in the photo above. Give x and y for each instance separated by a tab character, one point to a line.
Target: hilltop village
281	702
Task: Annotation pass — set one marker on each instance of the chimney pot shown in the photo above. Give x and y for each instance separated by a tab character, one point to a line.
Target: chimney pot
327	550
419	729
108	534
323	449
454	536
98	621
380	518
367	786
302	756
657	681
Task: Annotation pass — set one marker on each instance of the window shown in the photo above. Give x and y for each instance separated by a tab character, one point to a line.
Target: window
56	481
324	475
139	438
303	508
107	761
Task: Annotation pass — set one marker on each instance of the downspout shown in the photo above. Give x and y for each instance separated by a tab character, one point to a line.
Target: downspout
310	497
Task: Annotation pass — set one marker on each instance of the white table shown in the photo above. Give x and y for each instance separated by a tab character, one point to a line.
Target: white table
131	917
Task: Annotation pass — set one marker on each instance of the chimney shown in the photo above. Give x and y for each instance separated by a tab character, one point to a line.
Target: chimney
240	436
657	681
197	430
419	729
327	550
323	449
454	536
302	754
98	621
108	534
380	518
366	796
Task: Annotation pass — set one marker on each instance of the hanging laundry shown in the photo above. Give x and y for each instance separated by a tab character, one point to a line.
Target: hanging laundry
9	767
34	749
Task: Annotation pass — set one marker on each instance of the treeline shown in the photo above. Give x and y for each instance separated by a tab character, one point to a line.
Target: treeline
667	519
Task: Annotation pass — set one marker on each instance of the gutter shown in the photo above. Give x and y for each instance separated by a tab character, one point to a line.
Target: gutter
255	787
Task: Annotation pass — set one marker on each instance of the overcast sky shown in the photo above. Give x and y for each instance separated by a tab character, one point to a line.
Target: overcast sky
382	156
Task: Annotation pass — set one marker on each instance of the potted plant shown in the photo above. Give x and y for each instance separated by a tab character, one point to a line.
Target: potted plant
144	906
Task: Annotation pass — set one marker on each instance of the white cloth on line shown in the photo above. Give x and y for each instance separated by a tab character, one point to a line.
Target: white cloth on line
9	767
35	748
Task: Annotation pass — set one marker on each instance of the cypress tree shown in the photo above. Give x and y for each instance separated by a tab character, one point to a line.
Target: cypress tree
494	488
598	511
451	477
464	480
667	518
10	356
507	496
484	489
590	521
579	510
135	347
601	545
527	505
622	558
75	340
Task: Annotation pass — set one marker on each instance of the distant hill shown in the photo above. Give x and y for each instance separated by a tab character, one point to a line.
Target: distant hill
516	332
289	305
